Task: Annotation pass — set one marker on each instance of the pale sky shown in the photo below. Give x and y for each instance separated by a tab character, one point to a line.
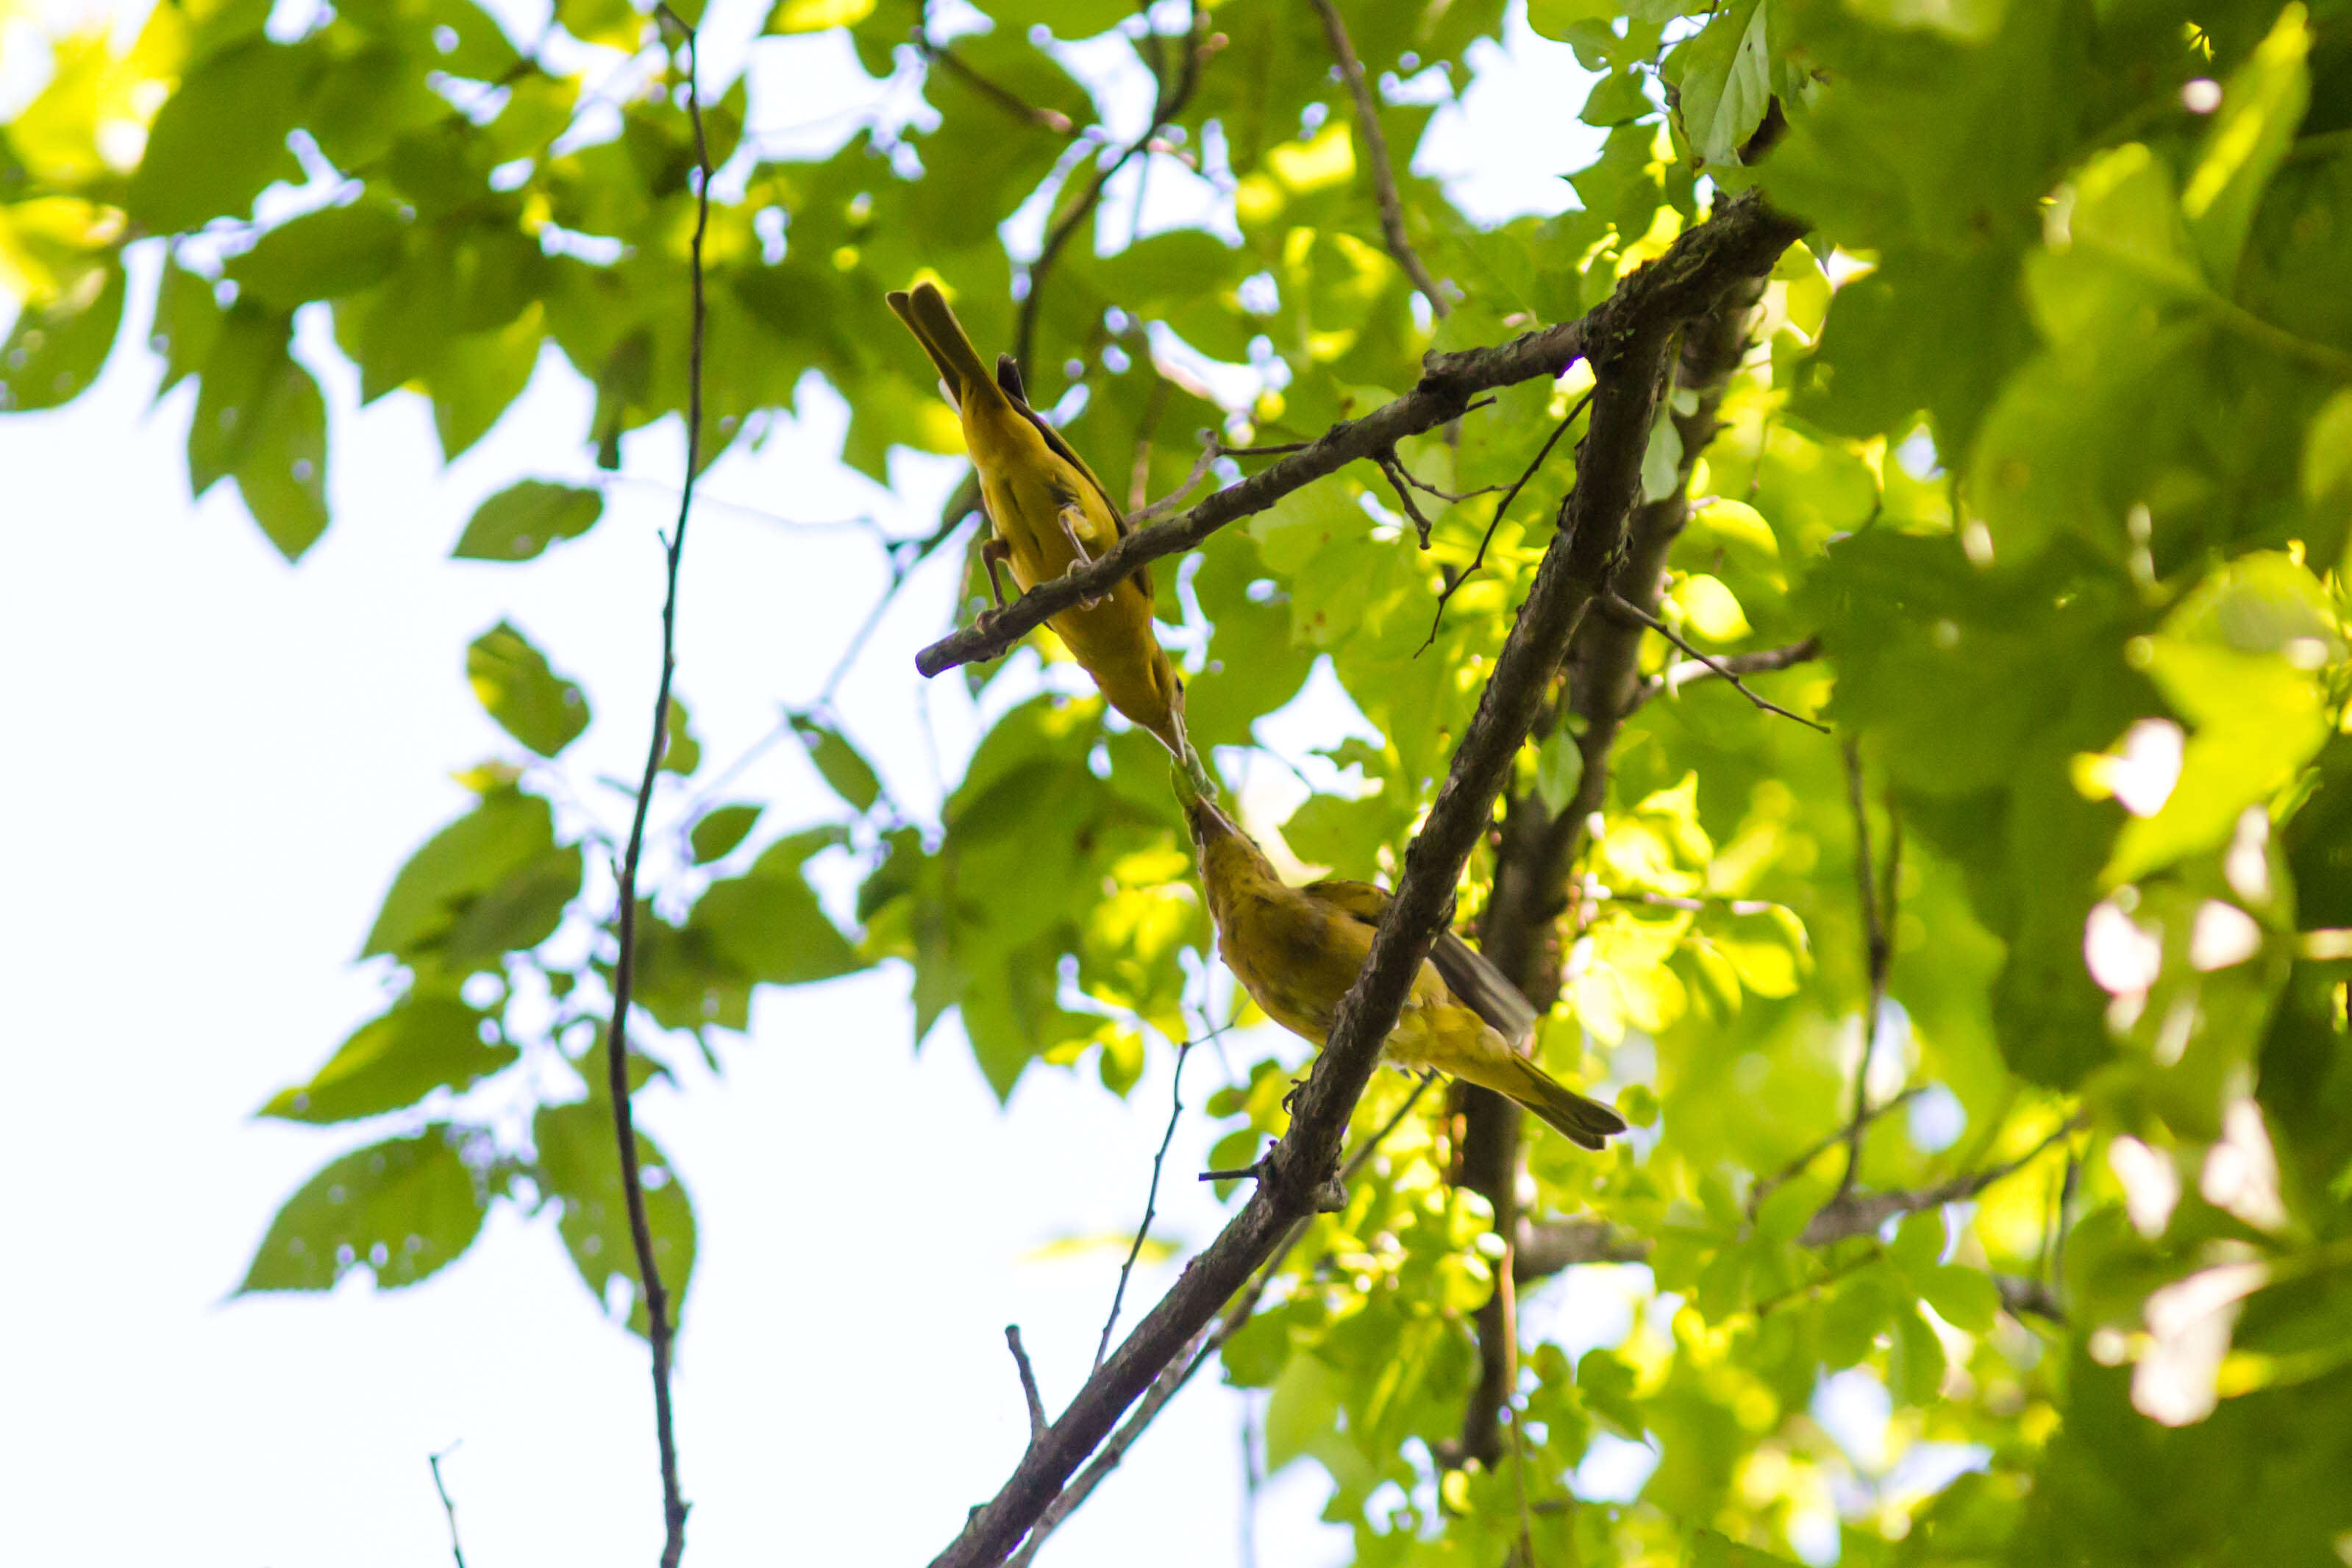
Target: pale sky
219	763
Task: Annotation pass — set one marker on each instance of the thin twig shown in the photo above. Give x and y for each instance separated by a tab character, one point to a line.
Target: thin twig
1028	1382
616	1045
1005	98
1151	1199
1766	1185
1683	672
1197	1352
1496	521
1376	158
1210	451
1618	605
1169	101
1392	469
1878	947
448	1506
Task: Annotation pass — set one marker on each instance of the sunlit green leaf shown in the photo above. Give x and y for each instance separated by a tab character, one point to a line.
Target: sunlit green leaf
402	1208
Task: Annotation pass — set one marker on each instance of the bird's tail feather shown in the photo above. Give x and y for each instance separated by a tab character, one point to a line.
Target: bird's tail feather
1580	1120
925	311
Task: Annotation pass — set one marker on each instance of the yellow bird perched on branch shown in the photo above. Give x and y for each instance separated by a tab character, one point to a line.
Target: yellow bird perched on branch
1297	951
1049	512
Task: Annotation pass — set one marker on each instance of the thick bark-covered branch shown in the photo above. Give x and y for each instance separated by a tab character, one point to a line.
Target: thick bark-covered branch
1626	341
1534	849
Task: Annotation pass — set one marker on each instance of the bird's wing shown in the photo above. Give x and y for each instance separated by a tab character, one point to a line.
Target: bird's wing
1009	382
1359	901
1483	988
1476	984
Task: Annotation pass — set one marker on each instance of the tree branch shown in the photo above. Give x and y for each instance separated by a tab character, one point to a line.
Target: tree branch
1723	247
1171	98
616	1044
1627	342
1618	607
1150	1200
1764	661
1376	157
1203	1345
1536	848
1546	1249
1005	98
1029	1395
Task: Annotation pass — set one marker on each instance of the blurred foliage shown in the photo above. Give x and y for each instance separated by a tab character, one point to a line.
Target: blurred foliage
2044	433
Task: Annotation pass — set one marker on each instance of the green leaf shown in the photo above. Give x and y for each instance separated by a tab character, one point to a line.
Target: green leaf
1560	770
404	1207
491	882
419	1045
323	255
681	752
220	139
1963	1297
1711	1550
1067	18
1919	1242
816	15
527	516
514	684
56	350
720	830
2261	105
848	773
1726	81
615	24
767	921
579	1168
282	466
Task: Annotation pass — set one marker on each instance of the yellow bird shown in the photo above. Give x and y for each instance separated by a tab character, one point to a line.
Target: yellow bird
1049	512
1297	951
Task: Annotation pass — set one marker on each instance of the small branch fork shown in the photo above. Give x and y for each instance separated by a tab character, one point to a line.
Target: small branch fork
1629	340
1437	619
1028	1382
1376	159
658	1328
447	1508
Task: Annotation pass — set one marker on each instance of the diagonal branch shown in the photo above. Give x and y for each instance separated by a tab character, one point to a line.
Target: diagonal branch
1629	343
616	1045
1203	1345
1376	157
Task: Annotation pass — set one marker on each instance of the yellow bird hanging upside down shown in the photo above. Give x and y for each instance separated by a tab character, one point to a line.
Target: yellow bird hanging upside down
1297	951
1049	512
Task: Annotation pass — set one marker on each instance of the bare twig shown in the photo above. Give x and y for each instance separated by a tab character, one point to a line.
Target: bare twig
1630	339
1878	948
1620	606
616	1045
1376	157
1005	98
1028	1382
448	1506
1210	450
1683	672
1392	468
1437	619
1765	1185
1546	1249
1172	96
1151	1199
